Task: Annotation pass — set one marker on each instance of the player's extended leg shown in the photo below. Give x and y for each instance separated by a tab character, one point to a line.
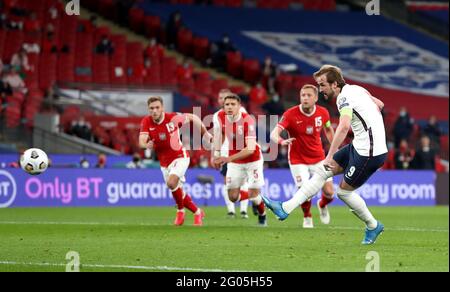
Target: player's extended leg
175	182
327	198
358	170
358	207
300	173
308	190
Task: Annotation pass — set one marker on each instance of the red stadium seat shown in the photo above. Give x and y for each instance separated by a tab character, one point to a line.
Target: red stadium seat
234	64
217	85
152	26
201	48
252	71
136	19
185	41
234	3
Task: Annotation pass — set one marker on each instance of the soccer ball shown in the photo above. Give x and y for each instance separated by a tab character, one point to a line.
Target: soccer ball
34	161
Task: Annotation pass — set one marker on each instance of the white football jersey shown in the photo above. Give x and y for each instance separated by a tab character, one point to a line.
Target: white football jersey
216	123
367	122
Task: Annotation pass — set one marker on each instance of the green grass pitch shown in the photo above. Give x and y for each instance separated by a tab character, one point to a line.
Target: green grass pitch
143	239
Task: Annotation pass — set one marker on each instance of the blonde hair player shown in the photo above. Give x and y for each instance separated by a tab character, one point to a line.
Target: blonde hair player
304	124
160	131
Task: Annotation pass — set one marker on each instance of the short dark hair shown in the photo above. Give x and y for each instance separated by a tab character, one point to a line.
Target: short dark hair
233	96
154	99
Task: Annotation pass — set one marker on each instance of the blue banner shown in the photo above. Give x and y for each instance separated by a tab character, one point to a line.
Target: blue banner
121	187
369	49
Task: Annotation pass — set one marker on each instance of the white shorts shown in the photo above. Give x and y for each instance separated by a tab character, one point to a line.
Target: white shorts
303	172
178	167
250	174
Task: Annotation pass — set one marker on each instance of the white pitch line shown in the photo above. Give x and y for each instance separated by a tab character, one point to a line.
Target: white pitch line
406	229
146	268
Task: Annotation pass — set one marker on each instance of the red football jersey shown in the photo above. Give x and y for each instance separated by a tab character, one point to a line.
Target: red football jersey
166	136
237	134
306	129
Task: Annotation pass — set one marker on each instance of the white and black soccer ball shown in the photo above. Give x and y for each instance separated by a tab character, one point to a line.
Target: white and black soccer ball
34	161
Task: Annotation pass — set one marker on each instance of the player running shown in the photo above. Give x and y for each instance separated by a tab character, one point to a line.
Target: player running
361	112
245	160
161	131
223	170
304	124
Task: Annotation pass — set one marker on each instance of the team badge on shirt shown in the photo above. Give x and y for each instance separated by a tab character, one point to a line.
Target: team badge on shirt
309	130
162	136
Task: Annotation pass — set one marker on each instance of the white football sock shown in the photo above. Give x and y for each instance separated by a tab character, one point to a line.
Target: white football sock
228	203
358	207
308	190
244	206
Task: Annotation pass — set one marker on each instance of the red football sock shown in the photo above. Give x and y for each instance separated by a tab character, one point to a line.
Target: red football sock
189	204
324	201
178	196
306	207
261	208
244	196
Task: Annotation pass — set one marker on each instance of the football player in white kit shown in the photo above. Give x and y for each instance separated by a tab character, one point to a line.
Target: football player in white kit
361	112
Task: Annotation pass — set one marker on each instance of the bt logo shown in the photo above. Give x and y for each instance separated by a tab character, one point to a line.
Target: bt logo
8	189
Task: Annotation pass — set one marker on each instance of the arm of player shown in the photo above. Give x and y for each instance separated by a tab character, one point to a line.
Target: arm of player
144	143
329	132
218	138
275	136
199	125
378	102
341	133
244	153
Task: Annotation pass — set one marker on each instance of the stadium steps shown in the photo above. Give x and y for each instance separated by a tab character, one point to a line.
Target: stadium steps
134	37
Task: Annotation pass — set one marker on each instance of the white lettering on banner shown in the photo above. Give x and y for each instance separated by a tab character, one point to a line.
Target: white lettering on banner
378	192
390	60
86	188
383	193
117	191
413	192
